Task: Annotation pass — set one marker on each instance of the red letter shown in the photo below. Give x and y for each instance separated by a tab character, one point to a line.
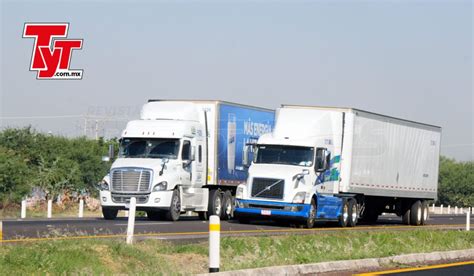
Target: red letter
51	59
67	46
43	34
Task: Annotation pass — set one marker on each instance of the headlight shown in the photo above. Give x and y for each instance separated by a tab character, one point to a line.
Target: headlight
299	197
103	185
240	192
160	186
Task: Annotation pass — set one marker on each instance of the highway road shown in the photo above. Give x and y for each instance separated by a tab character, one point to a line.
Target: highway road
458	268
192	228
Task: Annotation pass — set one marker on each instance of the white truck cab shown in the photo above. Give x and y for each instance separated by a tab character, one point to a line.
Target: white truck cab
168	161
340	164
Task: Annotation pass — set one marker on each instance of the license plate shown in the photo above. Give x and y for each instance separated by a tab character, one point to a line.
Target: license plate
266	212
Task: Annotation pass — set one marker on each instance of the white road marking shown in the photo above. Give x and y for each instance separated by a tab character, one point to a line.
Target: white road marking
145	223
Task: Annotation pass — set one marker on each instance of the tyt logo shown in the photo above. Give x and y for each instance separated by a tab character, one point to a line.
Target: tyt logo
52	51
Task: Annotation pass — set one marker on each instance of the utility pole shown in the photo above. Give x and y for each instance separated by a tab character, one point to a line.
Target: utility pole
85	126
97	129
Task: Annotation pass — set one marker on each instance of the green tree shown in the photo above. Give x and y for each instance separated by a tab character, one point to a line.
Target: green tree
456	182
14	176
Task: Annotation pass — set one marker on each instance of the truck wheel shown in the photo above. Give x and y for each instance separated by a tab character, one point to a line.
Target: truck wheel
353	215
406	216
155	215
416	213
109	214
312	215
344	217
215	203
175	208
425	213
227	206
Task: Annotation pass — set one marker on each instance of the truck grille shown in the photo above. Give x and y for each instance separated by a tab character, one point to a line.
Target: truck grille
133	180
126	199
268	188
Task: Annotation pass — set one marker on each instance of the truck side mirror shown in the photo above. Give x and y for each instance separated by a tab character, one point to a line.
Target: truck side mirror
192	154
321	163
111	151
246	160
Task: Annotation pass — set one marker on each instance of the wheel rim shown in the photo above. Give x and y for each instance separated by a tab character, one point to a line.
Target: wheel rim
354	213
176	205
345	215
228	209
312	214
425	214
418	214
217	206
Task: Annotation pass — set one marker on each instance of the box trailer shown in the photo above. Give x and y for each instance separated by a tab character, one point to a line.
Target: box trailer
183	156
341	164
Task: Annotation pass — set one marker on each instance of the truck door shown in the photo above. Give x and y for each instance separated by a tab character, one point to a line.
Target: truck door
197	170
186	169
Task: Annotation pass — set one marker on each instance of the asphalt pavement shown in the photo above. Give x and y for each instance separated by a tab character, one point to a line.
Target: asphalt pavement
192	227
458	269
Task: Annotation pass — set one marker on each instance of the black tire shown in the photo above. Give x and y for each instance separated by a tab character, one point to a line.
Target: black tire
406	216
227	211
416	213
215	203
202	215
155	215
309	223
425	213
353	213
344	217
175	208
109	213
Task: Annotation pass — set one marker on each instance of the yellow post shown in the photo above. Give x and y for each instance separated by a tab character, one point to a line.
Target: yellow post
214	243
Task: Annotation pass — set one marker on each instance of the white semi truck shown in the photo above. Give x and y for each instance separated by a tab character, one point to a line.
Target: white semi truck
341	164
176	158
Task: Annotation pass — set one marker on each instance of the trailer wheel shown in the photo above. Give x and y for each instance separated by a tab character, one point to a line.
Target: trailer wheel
344	217
353	215
312	215
416	213
175	208
109	213
215	203
406	216
227	206
425	215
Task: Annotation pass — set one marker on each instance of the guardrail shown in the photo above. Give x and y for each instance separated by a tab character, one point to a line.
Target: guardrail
448	210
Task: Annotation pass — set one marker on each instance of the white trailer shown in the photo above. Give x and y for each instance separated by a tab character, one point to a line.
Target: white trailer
183	156
341	164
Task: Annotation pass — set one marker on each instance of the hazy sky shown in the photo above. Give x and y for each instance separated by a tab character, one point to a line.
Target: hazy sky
409	59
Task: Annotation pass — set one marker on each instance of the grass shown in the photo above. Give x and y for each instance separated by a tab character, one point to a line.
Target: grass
13	211
161	257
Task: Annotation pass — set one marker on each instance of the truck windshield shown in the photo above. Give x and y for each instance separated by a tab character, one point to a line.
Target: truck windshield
287	155
149	148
